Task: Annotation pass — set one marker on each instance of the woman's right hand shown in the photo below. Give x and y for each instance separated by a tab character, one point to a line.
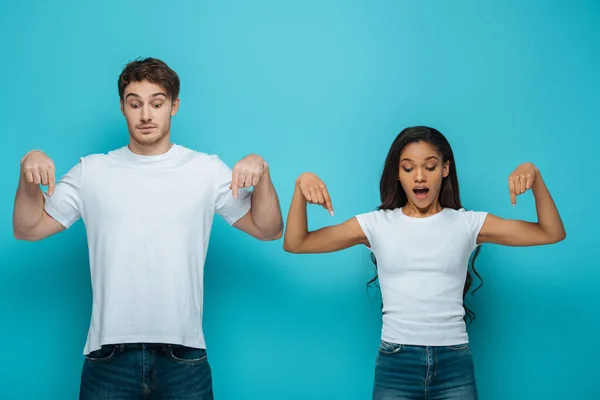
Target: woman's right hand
314	190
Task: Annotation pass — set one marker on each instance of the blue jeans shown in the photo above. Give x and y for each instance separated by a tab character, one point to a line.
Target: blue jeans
424	373
146	371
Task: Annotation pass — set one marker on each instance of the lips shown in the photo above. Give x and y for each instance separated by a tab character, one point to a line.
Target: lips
421	192
146	128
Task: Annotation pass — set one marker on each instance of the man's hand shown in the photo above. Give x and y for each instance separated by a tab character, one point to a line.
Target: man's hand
37	168
247	173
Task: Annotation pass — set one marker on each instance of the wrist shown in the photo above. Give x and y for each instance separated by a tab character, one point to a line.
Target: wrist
265	179
299	178
28	153
538	182
266	169
29	188
298	189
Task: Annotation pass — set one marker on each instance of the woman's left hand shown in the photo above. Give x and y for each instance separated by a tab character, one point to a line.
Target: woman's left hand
521	180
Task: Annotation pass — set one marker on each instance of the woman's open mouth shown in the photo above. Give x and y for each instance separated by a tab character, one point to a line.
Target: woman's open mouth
421	192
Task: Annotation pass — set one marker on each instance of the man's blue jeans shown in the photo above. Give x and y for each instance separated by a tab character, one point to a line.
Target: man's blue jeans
146	371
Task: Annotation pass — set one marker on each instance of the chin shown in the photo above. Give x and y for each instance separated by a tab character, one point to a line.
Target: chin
423	204
147	140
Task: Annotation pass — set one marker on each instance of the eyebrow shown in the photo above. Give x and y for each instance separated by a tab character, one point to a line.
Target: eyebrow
427	159
152	95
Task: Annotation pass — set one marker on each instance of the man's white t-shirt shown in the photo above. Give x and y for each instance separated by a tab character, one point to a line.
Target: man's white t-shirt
422	265
148	221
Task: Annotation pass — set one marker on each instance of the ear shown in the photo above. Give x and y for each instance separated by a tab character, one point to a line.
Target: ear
174	107
122	108
446	170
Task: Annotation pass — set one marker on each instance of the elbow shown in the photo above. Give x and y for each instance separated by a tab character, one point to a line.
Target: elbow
275	236
556	237
17	235
278	235
27	234
271	234
289	247
23	236
560	237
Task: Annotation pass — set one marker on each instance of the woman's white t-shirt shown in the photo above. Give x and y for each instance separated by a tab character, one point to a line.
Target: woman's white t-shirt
422	265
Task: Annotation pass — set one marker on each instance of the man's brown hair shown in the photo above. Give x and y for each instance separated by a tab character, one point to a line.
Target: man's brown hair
152	70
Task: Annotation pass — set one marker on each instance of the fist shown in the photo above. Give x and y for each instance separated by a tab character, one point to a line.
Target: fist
521	180
247	173
314	191
37	168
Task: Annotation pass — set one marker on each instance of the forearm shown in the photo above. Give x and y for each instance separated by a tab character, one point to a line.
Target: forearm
266	211
296	228
28	209
548	217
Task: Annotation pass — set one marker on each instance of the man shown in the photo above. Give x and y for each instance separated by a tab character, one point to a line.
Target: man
148	209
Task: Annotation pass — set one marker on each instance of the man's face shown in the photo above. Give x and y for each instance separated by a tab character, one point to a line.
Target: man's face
148	111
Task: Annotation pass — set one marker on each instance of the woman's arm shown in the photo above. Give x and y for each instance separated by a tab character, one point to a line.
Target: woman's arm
297	239
549	228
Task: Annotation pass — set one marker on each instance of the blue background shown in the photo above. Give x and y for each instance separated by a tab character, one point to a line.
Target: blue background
322	86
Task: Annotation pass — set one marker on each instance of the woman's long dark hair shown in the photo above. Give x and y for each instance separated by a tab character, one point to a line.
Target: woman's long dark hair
393	196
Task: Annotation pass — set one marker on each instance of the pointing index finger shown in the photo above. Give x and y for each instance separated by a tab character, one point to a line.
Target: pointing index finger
234	184
328	203
51	182
512	191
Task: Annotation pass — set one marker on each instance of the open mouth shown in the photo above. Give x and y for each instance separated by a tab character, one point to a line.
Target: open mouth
420	193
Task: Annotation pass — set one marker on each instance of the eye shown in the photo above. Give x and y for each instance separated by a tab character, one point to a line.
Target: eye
157	105
134	105
406	169
431	168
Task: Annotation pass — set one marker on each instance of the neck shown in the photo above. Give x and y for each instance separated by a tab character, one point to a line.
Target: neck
154	149
412	210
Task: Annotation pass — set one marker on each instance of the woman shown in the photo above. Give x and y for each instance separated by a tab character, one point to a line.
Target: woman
422	239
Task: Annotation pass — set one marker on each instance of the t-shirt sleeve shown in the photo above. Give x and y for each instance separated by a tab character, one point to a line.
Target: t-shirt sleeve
225	205
65	203
474	221
368	222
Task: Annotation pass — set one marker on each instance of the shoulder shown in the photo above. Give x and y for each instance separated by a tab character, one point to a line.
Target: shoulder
377	216
473	219
91	161
101	159
376	213
464	213
201	158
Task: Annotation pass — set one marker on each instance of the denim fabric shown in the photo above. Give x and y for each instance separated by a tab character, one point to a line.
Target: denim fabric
146	371
424	373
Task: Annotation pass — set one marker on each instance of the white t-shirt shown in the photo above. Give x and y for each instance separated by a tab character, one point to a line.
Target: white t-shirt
422	265
148	221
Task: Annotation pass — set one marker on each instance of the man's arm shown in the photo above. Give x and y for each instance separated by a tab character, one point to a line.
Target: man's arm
264	220
30	221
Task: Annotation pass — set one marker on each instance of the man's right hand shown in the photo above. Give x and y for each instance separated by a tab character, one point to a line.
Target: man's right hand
37	168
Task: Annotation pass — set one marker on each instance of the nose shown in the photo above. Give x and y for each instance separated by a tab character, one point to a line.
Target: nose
420	176
146	114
